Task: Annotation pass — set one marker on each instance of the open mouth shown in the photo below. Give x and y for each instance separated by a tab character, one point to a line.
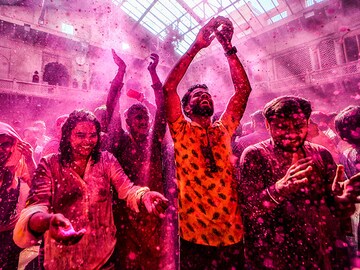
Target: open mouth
205	102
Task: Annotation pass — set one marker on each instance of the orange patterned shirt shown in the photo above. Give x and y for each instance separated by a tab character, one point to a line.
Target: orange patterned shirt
209	212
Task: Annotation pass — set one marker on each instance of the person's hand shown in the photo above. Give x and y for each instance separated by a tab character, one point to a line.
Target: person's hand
296	177
206	34
26	150
224	35
63	232
347	191
155	203
153	64
118	61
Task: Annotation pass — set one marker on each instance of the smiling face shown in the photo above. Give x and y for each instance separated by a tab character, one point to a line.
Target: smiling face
6	148
200	103
139	123
289	134
83	139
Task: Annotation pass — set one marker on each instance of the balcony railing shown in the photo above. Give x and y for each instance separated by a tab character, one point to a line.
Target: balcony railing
314	78
49	91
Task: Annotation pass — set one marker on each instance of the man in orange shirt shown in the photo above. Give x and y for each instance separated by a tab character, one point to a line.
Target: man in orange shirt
209	215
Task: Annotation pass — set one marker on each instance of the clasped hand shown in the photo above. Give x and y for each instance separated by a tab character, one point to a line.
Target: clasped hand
219	27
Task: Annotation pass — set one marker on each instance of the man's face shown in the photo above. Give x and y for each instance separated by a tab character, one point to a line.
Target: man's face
201	103
139	123
83	139
289	134
6	148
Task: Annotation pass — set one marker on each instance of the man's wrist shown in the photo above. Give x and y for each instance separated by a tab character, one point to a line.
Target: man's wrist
274	194
231	51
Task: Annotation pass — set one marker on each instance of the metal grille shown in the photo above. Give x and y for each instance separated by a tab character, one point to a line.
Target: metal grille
327	54
293	63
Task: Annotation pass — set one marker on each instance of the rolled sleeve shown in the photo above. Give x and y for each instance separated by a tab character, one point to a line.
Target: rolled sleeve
37	201
23	236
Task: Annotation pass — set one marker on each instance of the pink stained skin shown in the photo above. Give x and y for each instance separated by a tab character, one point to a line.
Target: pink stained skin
63	232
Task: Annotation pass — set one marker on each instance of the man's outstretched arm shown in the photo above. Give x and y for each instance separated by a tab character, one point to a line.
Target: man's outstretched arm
172	99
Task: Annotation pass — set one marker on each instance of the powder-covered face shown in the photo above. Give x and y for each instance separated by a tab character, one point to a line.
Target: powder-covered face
6	148
83	139
139	122
201	103
289	134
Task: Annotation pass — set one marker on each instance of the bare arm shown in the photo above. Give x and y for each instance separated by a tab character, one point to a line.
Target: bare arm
172	99
237	104
160	120
115	88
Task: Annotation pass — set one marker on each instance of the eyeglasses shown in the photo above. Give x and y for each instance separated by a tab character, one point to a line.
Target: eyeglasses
209	158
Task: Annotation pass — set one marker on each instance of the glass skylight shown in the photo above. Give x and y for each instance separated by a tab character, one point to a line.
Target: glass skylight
182	19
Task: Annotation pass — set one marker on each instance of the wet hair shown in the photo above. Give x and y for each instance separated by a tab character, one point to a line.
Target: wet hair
287	107
186	98
77	116
348	119
135	109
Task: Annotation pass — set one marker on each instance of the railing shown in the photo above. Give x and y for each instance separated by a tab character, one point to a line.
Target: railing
314	78
48	91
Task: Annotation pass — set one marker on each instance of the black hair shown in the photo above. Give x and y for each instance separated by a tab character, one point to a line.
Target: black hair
186	98
135	109
77	116
287	107
346	121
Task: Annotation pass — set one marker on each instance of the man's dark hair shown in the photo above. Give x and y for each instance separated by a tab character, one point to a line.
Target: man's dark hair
135	109
287	107
77	116
186	97
347	121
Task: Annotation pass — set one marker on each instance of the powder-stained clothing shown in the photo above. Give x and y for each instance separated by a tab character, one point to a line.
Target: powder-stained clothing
209	212
351	161
140	234
86	202
302	231
13	192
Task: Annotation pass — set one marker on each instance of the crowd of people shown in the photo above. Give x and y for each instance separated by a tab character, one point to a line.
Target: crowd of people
103	194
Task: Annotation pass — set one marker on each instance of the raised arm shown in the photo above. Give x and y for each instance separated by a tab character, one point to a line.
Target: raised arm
172	99
115	88
160	120
237	104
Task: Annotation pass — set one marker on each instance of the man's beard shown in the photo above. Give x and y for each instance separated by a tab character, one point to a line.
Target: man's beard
289	148
202	111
